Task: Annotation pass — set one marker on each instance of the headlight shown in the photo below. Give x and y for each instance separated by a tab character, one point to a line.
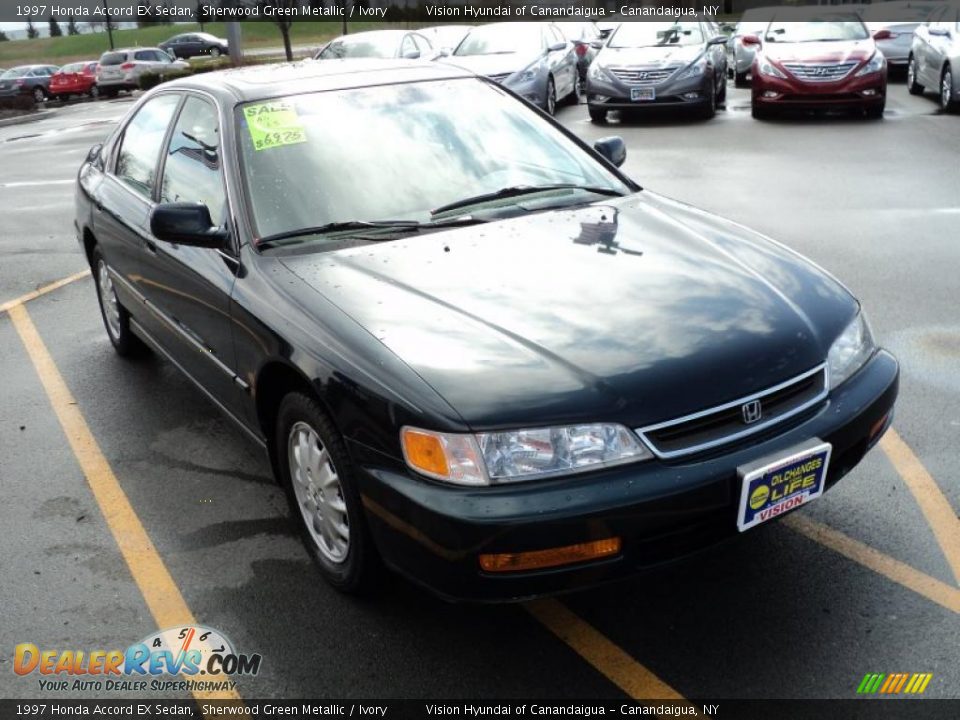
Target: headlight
517	455
769	69
851	350
877	63
597	72
525	75
694	70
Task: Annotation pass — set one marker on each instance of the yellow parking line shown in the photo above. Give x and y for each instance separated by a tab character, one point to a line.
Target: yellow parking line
605	656
5	307
935	590
149	572
936	508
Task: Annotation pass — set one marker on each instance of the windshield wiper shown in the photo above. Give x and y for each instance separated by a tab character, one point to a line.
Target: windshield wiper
379	225
518	191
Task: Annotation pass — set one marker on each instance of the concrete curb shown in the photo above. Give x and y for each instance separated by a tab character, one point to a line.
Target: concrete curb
39	115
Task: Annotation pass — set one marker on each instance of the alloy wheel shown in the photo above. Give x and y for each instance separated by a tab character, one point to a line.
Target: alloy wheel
108	300
551	97
38	95
946	89
319	494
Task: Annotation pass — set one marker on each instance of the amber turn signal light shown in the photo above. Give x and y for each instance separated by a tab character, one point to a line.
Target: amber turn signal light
552	557
424	451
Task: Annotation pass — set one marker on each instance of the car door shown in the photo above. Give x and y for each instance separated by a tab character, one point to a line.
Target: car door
192	46
562	63
187	289
925	53
123	199
716	53
941	39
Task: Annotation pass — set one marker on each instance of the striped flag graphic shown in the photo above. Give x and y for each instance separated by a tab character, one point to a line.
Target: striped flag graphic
894	683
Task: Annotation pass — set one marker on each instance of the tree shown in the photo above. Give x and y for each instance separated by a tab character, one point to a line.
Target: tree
285	23
32	32
72	28
55	30
3	36
203	15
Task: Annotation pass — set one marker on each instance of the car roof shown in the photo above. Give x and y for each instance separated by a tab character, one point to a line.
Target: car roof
278	80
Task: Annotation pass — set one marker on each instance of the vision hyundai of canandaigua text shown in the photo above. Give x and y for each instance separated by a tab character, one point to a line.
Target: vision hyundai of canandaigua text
476	352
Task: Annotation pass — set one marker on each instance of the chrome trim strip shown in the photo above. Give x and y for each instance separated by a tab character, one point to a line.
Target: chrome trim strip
642	432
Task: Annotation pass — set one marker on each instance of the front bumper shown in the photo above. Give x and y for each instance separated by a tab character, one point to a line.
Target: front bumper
851	92
608	94
433	533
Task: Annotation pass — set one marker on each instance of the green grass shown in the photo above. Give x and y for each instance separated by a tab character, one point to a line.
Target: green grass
59	51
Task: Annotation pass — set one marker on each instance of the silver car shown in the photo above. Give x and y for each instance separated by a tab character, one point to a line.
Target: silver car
121	69
753	22
900	18
935	57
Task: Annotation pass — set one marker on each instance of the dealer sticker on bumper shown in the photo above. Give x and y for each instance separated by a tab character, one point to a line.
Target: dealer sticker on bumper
643	94
773	486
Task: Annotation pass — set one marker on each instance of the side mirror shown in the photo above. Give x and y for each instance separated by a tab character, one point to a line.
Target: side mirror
93	154
557	47
883	35
938	31
411	55
612	148
750	40
597	44
187	224
718	40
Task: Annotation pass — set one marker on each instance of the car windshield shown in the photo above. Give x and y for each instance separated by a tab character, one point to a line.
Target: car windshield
653	34
848	27
501	38
372	45
424	145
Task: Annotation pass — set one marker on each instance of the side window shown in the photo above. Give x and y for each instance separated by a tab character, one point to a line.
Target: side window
423	45
160	56
407	46
141	143
192	169
143	55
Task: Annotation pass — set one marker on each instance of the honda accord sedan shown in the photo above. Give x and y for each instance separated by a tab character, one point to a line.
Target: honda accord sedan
474	350
659	64
829	61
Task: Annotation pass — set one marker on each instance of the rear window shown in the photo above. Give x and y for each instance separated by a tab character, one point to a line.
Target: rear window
16	72
113	58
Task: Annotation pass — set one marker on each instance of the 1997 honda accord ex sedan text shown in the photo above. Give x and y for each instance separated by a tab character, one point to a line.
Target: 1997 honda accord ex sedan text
475	351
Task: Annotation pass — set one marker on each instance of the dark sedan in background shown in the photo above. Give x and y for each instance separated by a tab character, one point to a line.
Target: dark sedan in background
646	65
190	45
33	80
533	59
483	355
827	62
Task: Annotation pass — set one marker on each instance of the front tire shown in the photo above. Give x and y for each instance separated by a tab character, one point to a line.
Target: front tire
740	80
597	115
550	102
319	478
39	95
709	108
947	103
913	87
215	52
116	319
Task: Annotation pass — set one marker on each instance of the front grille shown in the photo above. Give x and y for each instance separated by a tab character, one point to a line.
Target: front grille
640	77
499	77
726	423
820	72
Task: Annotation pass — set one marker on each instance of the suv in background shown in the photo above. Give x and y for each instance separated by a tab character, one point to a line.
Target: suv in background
121	69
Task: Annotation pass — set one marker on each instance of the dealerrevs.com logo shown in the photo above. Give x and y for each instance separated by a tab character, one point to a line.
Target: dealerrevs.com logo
203	657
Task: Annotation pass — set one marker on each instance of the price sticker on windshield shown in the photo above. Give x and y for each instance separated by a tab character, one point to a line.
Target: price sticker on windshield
274	124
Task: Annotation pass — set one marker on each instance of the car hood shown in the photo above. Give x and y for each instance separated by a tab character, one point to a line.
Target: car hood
825	52
497	64
650	56
634	311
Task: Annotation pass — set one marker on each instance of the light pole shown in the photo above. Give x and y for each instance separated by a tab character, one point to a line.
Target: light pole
109	24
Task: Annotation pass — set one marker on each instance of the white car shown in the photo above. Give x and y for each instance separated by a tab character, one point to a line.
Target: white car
121	69
935	57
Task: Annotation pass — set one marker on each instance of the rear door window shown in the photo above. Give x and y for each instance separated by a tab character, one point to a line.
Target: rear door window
141	143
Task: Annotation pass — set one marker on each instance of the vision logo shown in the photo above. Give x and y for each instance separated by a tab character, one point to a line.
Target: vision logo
894	684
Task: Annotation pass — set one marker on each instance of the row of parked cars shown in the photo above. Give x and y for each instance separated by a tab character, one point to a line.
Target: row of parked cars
116	70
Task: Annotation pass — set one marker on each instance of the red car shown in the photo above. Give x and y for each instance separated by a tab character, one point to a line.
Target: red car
829	62
75	79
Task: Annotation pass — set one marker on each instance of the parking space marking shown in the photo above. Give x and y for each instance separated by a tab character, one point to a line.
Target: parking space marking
600	652
5	307
905	575
36	183
940	515
157	586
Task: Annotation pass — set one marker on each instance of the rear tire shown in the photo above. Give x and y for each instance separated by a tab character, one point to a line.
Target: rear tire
597	115
740	80
95	92
320	480
116	319
913	87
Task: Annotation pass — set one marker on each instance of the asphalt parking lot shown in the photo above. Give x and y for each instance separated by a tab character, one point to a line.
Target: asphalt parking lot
866	579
